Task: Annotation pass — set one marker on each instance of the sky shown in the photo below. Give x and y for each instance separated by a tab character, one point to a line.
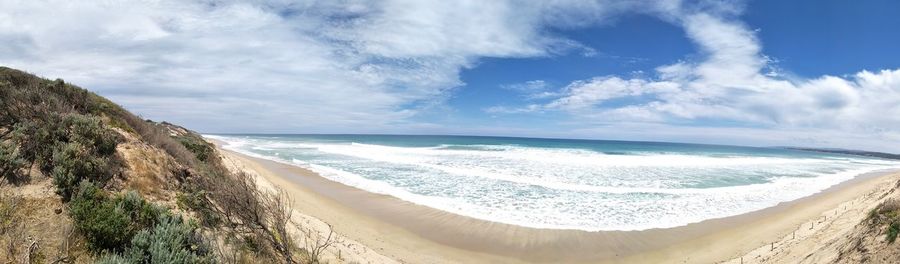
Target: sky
760	73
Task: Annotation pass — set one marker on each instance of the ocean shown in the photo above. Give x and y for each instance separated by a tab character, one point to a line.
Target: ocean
590	185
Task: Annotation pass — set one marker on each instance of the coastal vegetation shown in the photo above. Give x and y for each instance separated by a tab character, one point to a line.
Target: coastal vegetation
112	173
886	216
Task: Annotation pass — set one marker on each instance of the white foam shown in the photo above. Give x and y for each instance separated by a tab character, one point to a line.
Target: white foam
498	183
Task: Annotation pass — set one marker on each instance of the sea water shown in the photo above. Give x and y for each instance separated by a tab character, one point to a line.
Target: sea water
564	184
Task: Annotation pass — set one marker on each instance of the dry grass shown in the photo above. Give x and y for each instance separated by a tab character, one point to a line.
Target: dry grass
35	230
262	217
316	243
886	212
889	205
159	137
148	171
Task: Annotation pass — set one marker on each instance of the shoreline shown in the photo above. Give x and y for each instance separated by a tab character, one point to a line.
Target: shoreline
409	232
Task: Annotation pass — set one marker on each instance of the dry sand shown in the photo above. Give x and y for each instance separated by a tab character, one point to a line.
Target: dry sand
410	233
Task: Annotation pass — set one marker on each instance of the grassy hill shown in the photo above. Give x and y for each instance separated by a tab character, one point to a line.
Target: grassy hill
83	180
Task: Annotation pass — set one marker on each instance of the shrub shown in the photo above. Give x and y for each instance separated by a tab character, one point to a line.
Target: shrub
159	136
65	130
171	241
889	206
262	218
81	147
107	223
73	163
103	225
36	141
887	213
111	258
201	149
132	230
24	98
197	202
39	114
90	131
10	162
893	230
9	207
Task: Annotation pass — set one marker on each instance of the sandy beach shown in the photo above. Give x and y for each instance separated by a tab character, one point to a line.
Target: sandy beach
406	232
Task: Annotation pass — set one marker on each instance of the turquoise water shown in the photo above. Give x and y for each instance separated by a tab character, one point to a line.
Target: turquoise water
564	184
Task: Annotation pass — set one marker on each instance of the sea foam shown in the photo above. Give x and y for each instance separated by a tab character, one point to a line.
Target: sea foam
546	186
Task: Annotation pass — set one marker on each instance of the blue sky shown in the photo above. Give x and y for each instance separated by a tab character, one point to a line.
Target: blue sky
807	38
812	73
813	38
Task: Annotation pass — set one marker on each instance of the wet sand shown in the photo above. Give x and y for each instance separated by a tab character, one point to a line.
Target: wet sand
413	233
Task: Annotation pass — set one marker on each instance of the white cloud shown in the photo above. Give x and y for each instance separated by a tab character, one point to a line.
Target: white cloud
281	65
730	85
582	95
359	66
528	86
532	90
505	110
444	29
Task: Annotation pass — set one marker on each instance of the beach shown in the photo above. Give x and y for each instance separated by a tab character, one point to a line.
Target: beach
411	233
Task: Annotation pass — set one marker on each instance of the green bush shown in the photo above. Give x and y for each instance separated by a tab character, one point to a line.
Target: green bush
78	147
10	162
103	225
892	232
201	149
132	230
196	201
40	114
887	214
111	258
171	241
109	223
90	131
73	163
36	141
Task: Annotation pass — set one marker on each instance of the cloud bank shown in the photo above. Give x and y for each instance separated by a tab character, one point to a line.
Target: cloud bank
276	65
377	67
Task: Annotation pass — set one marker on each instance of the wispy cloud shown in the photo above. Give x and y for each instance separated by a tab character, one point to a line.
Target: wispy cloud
357	66
532	90
280	65
528	86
